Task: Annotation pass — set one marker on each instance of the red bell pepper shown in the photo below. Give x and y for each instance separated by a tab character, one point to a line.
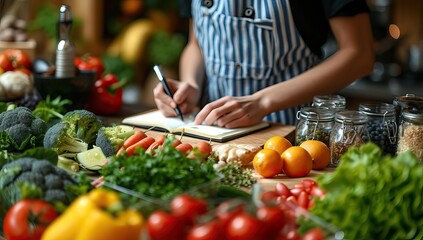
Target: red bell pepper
106	96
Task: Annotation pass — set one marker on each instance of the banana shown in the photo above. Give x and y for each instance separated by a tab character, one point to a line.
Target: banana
131	44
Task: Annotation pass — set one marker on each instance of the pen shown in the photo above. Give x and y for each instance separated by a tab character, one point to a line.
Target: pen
162	79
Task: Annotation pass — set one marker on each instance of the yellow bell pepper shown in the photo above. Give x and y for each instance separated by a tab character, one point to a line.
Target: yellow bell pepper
87	219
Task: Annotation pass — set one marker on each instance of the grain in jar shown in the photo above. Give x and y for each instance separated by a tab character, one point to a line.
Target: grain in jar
408	102
411	133
381	125
315	123
349	130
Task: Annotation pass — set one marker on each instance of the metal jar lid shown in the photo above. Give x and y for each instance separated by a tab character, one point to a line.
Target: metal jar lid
409	101
351	117
377	109
316	114
334	102
413	117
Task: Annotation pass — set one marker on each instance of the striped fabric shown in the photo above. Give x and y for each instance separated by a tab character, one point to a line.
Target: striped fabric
244	55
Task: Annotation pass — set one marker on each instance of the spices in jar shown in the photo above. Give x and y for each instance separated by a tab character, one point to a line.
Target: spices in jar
334	102
315	123
411	134
381	125
349	130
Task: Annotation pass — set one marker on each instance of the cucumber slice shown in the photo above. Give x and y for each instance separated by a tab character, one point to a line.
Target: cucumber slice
92	159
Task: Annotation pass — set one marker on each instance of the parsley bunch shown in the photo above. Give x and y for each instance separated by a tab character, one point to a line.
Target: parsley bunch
163	175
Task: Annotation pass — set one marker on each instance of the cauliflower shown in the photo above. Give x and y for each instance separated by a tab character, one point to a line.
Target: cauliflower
14	85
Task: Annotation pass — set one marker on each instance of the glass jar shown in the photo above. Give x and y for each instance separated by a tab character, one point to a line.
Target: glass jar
335	102
314	123
409	102
411	134
381	125
349	130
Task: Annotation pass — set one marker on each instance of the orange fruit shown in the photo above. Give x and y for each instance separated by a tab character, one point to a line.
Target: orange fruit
319	152
297	162
267	163
277	143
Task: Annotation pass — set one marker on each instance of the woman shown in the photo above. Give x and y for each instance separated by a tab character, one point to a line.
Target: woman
260	60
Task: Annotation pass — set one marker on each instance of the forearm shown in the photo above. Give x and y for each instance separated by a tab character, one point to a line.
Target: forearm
353	60
191	67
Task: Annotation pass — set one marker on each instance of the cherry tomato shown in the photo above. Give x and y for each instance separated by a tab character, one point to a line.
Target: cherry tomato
268	196
282	190
27	219
187	208
208	231
162	225
227	210
5	63
314	234
88	62
317	192
273	218
290	235
18	58
246	227
303	199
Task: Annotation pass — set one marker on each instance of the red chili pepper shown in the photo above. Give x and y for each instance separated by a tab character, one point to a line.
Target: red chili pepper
106	96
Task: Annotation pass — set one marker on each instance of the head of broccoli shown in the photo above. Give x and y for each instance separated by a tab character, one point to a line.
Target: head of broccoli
25	129
83	125
111	138
58	138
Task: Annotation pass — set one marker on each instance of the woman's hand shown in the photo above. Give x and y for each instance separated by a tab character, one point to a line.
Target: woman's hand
231	112
185	96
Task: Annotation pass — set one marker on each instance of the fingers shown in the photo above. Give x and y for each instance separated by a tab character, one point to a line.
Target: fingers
229	112
164	102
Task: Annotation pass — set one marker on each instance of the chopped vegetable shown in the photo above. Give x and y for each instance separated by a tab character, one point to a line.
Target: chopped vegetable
61	137
110	139
83	125
371	196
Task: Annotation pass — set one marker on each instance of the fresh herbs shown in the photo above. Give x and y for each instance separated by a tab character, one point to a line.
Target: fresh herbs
163	175
371	196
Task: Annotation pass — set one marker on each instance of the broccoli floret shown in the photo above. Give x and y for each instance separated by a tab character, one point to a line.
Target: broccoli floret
57	137
52	184
110	139
83	125
23	127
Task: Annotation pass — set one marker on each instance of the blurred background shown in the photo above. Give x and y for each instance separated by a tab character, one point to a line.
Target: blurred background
141	33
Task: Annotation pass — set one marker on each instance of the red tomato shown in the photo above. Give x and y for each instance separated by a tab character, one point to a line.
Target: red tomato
273	218
187	208
88	62
18	58
245	227
317	192
227	210
268	196
5	63
202	150
290	235
314	234
208	231
27	219
162	225
282	190
303	200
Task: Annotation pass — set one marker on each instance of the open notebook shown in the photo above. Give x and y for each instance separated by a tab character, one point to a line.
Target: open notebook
156	121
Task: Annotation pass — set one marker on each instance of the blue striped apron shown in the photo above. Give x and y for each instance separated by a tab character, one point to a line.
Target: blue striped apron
249	45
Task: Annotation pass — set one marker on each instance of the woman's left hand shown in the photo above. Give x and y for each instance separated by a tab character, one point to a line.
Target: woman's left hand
231	112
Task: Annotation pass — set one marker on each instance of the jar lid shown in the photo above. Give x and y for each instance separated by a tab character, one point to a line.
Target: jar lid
335	102
350	116
413	117
316	113
409	101
377	109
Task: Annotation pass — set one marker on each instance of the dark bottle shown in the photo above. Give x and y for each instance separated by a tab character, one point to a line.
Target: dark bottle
65	51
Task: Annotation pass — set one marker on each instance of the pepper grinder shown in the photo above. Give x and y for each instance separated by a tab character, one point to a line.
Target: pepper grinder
65	51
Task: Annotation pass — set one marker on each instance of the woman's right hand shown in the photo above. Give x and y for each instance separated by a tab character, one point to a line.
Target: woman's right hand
184	95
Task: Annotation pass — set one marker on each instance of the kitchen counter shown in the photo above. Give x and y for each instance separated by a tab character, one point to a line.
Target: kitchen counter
385	91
